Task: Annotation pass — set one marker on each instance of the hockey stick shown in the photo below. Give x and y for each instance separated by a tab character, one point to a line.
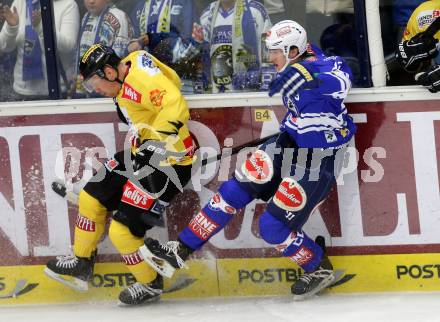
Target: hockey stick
237	149
61	189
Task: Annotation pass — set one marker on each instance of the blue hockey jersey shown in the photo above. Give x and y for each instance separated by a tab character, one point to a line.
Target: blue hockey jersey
317	117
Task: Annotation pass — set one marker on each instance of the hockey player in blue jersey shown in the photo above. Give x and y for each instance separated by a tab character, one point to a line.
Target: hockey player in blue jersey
294	171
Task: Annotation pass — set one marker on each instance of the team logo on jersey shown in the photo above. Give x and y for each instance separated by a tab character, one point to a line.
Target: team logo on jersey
111	164
156	97
203	226
136	197
147	64
222	70
344	132
290	195
131	94
290	104
330	136
258	167
302	256
218	204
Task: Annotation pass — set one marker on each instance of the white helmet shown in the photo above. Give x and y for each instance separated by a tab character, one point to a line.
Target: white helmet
285	34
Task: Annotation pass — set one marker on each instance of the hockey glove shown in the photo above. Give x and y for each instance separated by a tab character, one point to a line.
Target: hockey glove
292	79
411	53
430	78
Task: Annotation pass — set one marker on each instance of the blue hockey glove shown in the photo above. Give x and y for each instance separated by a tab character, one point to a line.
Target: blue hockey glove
292	79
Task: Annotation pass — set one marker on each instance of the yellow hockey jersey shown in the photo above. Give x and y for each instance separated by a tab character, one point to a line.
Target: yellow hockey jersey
153	106
421	18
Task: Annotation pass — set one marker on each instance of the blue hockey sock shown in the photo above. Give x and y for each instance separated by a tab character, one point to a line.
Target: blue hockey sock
215	214
302	250
295	245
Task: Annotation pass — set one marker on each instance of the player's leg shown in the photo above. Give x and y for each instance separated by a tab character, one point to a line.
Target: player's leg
95	200
215	215
287	212
132	220
258	177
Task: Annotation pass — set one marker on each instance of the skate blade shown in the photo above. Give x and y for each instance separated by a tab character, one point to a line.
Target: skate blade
74	283
324	284
147	302
158	264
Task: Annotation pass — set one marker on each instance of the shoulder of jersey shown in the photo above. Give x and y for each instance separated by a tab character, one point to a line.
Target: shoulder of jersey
144	63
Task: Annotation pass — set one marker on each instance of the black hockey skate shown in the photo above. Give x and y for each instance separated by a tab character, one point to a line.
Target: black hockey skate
165	258
140	293
72	271
314	282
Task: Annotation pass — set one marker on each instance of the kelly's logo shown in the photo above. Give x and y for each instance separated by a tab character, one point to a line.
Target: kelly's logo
131	94
135	196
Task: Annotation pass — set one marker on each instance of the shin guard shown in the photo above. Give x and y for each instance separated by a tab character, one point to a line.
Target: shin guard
127	245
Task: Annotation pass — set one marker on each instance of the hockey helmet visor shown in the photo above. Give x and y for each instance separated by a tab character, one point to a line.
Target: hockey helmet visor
92	63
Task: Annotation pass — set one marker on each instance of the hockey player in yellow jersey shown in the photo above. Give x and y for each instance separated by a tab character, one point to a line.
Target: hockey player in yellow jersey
418	49
137	183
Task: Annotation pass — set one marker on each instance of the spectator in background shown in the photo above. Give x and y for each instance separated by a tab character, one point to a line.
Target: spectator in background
7	62
162	27
334	21
279	10
229	39
402	10
23	32
105	24
418	49
339	39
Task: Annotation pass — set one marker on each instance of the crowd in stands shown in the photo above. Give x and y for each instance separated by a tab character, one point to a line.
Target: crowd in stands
215	46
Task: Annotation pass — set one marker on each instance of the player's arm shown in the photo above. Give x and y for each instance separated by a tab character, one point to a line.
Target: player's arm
420	48
292	79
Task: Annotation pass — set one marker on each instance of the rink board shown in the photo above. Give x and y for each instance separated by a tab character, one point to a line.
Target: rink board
381	222
230	277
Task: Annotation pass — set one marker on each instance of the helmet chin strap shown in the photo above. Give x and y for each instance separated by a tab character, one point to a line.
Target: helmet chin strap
288	61
117	80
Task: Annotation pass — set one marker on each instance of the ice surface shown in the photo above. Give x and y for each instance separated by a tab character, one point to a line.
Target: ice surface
388	307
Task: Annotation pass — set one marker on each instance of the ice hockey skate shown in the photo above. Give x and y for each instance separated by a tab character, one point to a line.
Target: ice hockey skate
71	270
142	293
164	258
314	282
